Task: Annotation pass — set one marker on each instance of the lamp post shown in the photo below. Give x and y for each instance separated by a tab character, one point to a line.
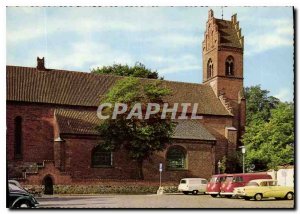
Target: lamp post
243	152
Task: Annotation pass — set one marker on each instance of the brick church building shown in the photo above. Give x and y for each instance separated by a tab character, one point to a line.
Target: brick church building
51	119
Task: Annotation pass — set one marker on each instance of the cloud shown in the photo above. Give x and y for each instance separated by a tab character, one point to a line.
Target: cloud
176	64
270	35
38	22
285	95
178	69
88	54
175	39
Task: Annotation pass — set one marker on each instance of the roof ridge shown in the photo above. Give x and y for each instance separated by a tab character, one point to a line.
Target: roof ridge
76	88
108	75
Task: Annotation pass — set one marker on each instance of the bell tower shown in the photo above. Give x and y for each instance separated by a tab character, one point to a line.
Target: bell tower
222	54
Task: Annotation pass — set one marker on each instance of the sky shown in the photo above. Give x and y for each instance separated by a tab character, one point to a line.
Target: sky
166	39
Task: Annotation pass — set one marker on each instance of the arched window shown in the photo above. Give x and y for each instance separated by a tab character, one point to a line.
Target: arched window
229	66
210	68
18	147
101	157
176	158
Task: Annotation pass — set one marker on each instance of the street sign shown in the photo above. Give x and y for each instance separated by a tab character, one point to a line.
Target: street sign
160	167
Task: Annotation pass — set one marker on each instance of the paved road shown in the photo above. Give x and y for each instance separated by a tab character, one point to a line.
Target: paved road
156	201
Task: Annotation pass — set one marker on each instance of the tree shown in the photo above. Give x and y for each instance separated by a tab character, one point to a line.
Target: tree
259	104
138	70
269	136
223	164
233	163
139	137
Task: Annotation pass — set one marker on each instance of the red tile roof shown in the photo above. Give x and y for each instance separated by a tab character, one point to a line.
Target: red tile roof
228	34
77	121
63	87
85	122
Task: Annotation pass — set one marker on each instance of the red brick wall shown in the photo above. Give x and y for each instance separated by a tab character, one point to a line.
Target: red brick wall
38	128
238	62
200	162
242	118
75	153
213	55
48	170
217	125
229	85
37	131
78	156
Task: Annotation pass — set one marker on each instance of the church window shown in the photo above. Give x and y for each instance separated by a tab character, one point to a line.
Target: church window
18	138
210	68
176	158
229	66
101	157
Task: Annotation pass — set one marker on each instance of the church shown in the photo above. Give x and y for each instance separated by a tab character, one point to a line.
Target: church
51	117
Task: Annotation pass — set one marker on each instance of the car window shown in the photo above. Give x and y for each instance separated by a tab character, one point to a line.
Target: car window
183	181
13	187
16	183
272	183
204	181
264	184
252	184
222	179
229	178
214	179
237	179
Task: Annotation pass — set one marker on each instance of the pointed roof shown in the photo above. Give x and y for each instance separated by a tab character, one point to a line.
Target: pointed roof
223	33
228	34
71	88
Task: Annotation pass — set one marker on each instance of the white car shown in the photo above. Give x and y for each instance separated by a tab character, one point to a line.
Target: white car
192	185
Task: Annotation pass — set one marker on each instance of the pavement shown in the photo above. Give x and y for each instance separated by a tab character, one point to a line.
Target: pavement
156	201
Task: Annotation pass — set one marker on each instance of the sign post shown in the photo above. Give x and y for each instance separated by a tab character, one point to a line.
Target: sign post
160	171
160	190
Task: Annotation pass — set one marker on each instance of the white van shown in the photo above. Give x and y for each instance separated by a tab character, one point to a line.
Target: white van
192	185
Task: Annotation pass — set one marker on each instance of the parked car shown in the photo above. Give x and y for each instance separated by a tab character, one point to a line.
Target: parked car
192	185
264	188
18	197
15	183
214	185
239	180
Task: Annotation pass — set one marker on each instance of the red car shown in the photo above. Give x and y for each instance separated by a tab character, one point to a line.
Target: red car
239	180
214	185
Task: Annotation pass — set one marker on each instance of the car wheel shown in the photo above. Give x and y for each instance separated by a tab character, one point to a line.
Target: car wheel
195	192
289	196
23	204
214	195
185	192
228	196
247	198
258	197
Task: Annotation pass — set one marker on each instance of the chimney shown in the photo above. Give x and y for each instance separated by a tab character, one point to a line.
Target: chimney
40	63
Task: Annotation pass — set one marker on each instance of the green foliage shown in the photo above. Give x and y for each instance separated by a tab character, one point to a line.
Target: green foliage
138	70
140	137
259	104
223	165
269	136
233	163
